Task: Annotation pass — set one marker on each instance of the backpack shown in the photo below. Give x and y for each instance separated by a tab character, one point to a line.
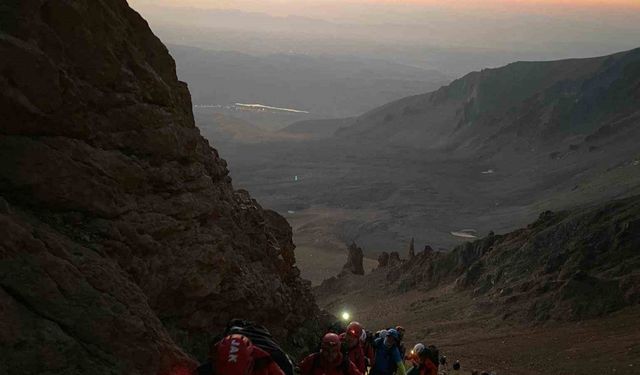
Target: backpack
261	337
344	366
433	354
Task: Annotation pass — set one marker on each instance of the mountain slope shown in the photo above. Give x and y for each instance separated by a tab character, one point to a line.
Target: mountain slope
540	104
122	240
575	264
561	296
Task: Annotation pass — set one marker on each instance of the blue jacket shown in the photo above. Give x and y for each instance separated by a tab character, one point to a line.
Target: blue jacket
387	360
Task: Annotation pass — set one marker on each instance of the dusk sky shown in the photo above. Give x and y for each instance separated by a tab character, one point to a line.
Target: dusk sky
517	29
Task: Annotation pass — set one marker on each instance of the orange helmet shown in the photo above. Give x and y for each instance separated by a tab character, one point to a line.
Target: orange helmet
330	342
355	329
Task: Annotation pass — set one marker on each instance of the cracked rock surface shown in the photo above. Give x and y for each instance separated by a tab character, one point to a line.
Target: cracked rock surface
123	245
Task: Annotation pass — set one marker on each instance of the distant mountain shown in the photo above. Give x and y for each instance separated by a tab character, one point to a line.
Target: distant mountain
522	106
326	86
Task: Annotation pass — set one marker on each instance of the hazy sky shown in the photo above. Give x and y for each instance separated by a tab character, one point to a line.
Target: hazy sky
616	14
533	29
284	7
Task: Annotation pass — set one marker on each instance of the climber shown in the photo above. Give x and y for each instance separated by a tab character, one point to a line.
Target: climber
352	339
262	338
425	365
387	359
236	355
367	347
456	368
329	361
413	355
401	347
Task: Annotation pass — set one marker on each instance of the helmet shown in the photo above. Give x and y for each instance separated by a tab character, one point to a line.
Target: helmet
330	341
393	333
418	348
355	329
383	333
235	355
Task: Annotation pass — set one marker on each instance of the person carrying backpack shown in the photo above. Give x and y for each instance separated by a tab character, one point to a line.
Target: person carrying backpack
261	337
329	360
367	347
387	360
456	368
353	345
236	355
425	364
413	355
401	347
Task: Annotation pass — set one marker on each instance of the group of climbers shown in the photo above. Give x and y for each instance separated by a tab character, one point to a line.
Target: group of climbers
248	349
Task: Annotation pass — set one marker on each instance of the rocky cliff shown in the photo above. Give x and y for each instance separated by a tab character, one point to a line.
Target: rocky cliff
123	244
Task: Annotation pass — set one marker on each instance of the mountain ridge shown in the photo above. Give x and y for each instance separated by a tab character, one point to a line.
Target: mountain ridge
491	94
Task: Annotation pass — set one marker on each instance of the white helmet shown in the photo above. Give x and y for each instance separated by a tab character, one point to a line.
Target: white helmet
417	348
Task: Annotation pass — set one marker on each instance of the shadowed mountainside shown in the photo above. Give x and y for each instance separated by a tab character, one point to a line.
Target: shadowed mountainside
122	240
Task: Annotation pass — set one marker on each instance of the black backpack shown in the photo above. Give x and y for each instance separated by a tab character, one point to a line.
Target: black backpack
432	353
261	337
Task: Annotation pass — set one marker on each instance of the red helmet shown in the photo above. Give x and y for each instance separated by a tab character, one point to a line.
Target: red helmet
235	355
355	329
330	341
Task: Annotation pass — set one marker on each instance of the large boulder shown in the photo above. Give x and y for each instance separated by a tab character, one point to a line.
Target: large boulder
123	245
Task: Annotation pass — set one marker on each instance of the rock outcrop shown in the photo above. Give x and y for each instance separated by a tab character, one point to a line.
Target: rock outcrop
354	260
394	258
412	248
123	245
383	259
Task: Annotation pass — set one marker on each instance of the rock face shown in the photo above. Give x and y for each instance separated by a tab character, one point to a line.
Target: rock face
354	260
123	244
